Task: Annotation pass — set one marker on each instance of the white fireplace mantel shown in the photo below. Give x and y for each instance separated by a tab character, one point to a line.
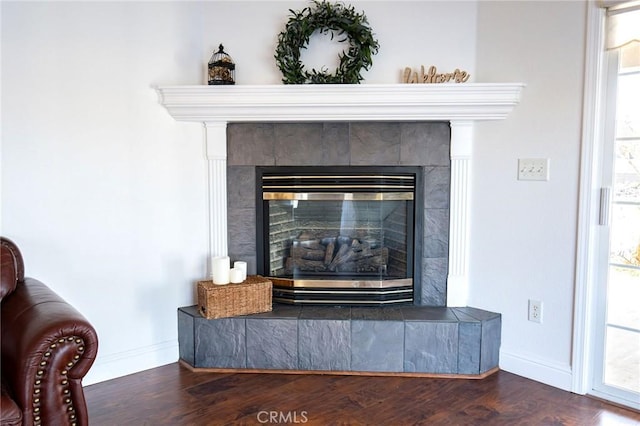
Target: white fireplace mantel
460	104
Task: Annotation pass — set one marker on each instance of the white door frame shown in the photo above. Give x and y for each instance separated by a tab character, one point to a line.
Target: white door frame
591	271
589	204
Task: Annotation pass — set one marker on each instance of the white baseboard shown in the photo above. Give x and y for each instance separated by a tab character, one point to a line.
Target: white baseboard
124	363
541	370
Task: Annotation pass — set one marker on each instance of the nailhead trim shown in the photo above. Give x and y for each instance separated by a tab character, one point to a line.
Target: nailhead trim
37	419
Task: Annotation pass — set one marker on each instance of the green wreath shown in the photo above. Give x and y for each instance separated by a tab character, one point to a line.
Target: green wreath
326	17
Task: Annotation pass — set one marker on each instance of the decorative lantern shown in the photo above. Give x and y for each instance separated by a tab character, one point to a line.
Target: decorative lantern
222	70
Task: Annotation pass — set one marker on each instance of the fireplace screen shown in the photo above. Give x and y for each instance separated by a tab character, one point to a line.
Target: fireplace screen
337	236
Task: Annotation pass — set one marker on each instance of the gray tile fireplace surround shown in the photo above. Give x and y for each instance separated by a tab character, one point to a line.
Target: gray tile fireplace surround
425	338
410	339
425	144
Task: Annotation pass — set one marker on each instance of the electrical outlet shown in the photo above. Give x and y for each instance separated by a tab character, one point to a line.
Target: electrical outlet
533	169
535	311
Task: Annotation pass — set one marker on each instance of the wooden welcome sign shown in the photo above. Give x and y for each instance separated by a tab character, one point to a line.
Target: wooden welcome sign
432	76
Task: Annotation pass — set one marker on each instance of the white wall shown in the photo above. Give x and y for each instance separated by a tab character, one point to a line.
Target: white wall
524	233
103	191
410	33
106	194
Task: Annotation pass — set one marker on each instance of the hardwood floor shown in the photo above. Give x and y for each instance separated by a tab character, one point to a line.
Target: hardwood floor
175	395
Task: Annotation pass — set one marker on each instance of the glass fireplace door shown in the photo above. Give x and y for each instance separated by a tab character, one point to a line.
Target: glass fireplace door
316	236
350	241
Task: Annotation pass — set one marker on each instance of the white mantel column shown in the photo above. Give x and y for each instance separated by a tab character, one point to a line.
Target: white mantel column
459	213
216	144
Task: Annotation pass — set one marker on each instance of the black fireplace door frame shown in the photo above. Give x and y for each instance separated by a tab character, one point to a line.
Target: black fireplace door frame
415	217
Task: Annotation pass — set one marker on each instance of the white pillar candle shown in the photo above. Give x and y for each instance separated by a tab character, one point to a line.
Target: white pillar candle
235	275
242	266
220	269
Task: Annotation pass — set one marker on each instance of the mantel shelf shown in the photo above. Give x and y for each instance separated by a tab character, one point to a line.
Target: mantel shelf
343	102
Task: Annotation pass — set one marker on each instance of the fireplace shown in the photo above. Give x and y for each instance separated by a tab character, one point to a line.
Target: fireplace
420	148
339	235
459	105
246	127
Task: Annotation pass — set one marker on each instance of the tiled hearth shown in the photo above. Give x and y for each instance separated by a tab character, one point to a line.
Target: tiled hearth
411	339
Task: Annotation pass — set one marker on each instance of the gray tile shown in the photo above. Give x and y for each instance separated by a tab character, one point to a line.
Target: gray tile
425	143
425	313
220	343
431	347
241	228
326	312
462	316
298	144
186	337
272	344
191	311
250	144
335	143
241	187
365	143
479	314
280	311
324	345
490	344
436	233
434	281
377	313
377	346
375	143
437	187
410	338
469	347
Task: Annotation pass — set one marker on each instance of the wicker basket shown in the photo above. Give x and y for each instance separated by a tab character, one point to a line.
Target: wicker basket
251	296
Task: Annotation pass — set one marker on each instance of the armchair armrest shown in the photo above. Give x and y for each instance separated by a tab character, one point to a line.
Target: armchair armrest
47	348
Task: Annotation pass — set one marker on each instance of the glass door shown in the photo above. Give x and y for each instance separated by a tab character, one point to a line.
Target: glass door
617	367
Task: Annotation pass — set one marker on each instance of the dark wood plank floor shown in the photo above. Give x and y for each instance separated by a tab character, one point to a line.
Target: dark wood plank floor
175	395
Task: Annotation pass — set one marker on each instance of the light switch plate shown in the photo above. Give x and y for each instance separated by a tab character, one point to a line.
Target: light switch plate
533	169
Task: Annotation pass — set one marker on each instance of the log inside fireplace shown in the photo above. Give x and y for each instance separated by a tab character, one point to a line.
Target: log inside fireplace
335	254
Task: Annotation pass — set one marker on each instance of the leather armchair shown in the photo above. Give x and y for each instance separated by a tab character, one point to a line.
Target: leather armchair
47	348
